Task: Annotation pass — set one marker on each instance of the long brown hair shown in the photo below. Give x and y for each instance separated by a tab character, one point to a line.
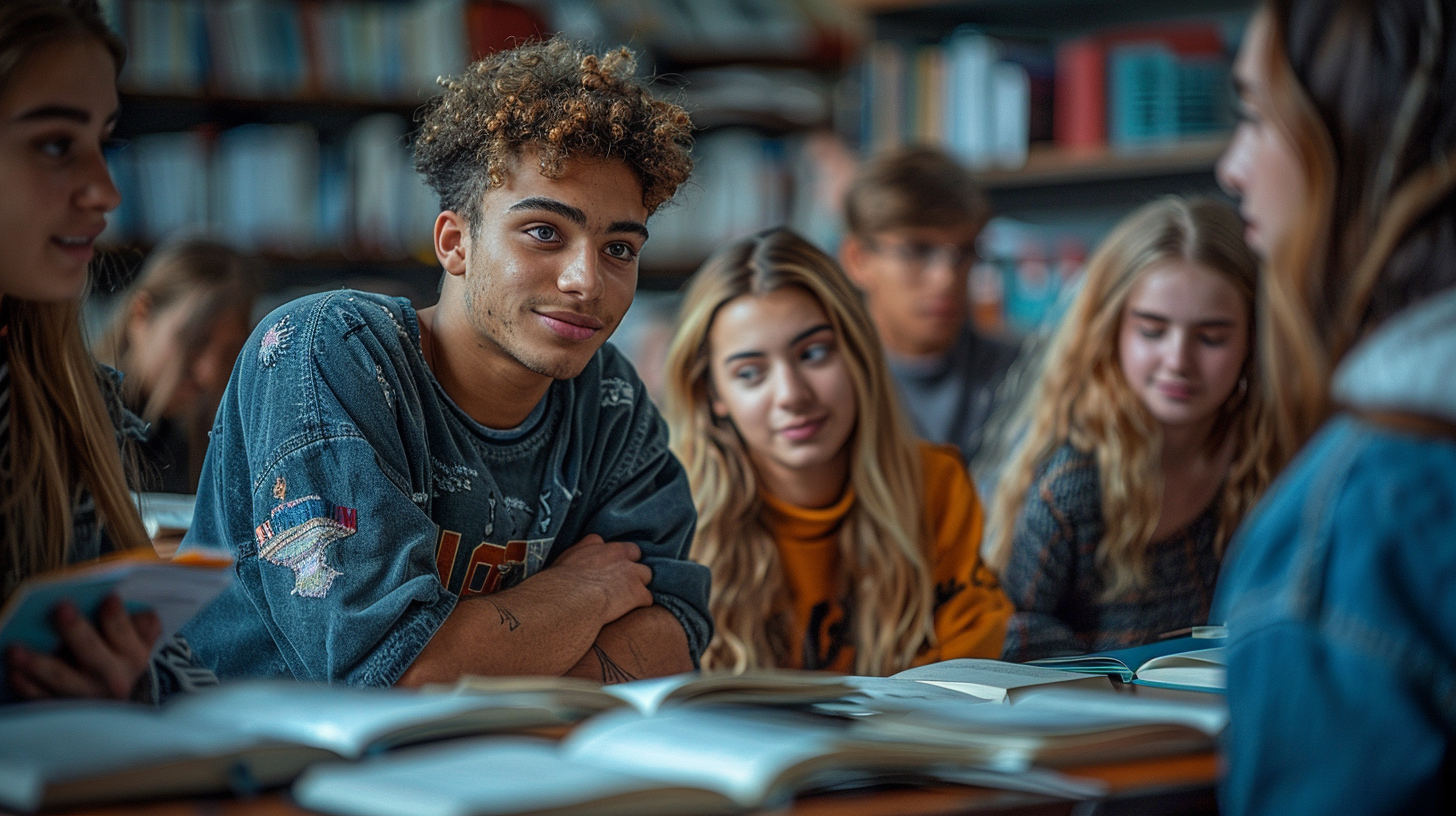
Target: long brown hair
1081	396
61	435
1365	93
222	281
882	550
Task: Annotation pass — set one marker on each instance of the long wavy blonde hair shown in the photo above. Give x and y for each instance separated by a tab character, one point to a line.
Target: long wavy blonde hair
1081	396
885	569
1363	93
61	435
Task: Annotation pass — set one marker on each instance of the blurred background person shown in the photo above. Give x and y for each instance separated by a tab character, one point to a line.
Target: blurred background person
914	216
1146	439
1337	594
175	336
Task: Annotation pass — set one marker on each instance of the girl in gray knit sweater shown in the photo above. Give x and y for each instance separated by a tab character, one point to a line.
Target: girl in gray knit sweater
1144	441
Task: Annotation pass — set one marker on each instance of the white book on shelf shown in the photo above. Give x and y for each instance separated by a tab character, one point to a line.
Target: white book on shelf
1011	120
970	56
436	46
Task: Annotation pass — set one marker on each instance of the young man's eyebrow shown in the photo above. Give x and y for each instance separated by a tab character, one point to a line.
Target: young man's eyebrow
80	116
551	205
635	227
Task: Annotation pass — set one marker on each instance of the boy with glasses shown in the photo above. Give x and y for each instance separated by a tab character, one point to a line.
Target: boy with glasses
914	216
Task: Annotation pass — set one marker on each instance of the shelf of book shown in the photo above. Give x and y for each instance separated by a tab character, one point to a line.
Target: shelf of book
1050	166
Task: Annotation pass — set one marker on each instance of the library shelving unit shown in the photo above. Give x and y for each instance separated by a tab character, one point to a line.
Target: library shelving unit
215	92
1054	183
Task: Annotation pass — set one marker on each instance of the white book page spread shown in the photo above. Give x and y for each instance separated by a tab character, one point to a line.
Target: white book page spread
48	743
737	752
1204	667
481	777
342	719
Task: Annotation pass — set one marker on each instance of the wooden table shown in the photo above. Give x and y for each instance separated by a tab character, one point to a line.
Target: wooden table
1179	784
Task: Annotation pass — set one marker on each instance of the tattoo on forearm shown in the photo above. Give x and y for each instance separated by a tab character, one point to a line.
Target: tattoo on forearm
507	617
611	671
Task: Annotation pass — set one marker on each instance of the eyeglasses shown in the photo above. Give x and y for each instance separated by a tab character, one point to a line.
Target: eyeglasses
917	256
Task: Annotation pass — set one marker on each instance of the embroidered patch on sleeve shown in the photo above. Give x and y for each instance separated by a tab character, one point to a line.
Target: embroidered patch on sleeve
275	342
297	535
616	391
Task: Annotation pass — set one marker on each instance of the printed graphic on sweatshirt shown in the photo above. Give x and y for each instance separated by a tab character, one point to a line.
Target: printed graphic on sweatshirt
827	633
616	391
489	567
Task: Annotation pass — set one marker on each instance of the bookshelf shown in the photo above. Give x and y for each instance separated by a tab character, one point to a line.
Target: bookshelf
227	104
1114	104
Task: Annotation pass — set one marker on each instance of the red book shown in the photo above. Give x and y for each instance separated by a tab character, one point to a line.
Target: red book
492	25
1079	98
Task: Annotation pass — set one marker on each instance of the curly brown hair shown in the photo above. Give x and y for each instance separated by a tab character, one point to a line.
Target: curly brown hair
560	99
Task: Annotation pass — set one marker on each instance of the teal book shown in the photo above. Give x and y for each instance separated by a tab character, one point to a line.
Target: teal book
1191	663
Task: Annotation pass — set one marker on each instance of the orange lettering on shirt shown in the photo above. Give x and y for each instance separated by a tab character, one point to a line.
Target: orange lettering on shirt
490	564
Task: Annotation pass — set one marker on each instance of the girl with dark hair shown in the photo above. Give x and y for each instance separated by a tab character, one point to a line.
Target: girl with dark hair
1342	656
65	496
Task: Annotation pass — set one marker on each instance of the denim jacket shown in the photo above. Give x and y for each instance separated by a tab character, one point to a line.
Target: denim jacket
1340	597
361	503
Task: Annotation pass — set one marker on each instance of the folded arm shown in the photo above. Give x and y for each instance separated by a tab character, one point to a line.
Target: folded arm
590	608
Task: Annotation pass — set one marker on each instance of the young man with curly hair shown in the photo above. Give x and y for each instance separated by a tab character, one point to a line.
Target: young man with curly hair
482	486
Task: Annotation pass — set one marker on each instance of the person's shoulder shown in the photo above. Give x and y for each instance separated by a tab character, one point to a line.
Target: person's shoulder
1068	479
331	315
1000	351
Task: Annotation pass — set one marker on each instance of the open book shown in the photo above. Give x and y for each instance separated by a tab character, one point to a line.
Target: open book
996	680
769	687
684	760
1184	663
237	737
1063	726
175	590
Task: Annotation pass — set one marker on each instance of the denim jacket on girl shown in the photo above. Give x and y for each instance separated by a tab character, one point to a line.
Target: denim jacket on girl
1340	597
361	503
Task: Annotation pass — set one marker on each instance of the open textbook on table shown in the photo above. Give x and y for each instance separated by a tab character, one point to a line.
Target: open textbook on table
1189	663
256	734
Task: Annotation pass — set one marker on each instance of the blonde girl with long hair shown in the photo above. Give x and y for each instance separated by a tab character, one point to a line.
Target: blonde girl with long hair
1145	440
65	496
175	336
836	540
1338	592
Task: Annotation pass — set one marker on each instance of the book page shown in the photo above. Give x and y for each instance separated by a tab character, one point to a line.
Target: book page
353	721
737	751
989	679
491	777
1203	668
47	743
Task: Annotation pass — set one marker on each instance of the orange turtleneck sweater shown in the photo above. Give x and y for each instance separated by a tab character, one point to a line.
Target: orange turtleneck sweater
970	609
